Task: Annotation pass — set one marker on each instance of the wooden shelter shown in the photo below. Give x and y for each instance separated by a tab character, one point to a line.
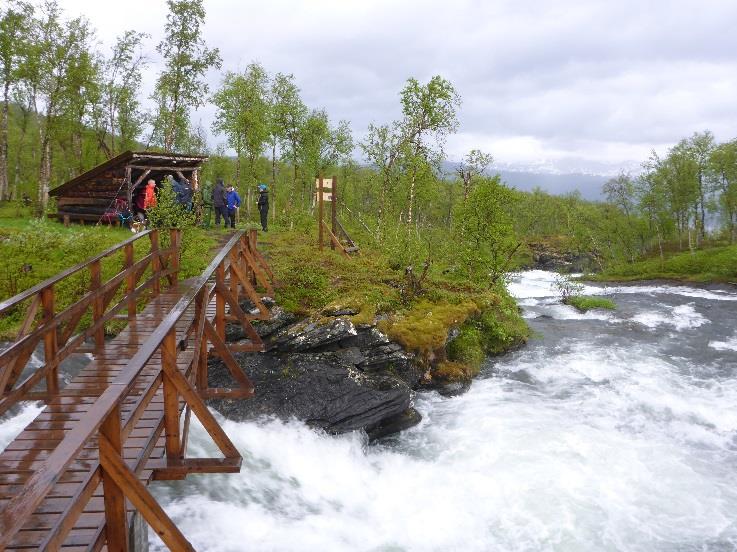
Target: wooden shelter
89	196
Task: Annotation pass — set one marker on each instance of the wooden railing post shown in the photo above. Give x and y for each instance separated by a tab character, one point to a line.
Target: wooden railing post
220	301
50	341
176	244
97	304
201	362
171	397
116	521
130	282
234	260
155	263
252	237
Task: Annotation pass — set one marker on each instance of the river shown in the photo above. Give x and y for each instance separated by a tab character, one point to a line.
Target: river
607	431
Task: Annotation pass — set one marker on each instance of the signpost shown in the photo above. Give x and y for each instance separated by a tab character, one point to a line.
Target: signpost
326	190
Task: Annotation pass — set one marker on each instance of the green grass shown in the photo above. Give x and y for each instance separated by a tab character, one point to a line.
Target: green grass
34	250
374	285
716	264
584	303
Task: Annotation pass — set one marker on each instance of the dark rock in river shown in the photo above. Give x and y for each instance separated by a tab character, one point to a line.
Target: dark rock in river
547	257
324	390
326	373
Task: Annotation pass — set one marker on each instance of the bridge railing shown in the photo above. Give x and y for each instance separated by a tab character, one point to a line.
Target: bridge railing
60	330
180	371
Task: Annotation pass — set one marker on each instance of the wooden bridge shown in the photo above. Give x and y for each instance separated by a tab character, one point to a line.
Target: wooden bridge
75	476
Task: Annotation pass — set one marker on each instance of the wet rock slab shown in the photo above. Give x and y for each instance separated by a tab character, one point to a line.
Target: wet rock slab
328	374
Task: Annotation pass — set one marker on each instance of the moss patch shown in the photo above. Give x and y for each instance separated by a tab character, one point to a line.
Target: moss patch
584	303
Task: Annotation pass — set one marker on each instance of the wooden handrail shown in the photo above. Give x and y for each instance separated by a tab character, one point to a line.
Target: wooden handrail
30	292
57	329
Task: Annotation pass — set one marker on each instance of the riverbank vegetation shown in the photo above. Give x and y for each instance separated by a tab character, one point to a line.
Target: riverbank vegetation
585	303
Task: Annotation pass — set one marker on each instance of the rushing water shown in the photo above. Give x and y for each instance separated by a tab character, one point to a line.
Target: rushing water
608	431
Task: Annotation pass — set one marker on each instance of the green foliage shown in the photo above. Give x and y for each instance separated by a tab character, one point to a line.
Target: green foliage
36	249
584	303
243	116
716	264
486	228
168	213
181	85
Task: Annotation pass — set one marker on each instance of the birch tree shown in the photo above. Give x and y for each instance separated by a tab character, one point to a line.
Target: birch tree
181	85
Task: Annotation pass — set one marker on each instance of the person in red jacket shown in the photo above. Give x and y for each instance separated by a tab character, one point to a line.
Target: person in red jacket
149	198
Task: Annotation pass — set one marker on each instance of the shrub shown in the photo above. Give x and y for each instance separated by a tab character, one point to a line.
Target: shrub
168	212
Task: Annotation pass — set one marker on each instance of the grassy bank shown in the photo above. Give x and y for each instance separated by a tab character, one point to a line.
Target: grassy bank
716	264
377	291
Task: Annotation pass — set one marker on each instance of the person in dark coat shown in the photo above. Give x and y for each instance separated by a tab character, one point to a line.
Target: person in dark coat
187	194
220	202
263	205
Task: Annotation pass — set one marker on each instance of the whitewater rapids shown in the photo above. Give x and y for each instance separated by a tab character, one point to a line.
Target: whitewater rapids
608	431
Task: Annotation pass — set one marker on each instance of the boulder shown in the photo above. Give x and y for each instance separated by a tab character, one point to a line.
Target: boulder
325	390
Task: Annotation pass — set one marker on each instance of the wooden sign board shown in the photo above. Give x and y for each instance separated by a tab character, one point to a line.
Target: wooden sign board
327	183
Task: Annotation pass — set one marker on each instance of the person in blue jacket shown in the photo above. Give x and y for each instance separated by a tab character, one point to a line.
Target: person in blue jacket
234	201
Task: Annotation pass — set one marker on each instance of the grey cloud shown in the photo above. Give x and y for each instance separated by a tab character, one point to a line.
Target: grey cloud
557	83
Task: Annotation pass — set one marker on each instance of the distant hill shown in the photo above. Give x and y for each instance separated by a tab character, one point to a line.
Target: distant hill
588	184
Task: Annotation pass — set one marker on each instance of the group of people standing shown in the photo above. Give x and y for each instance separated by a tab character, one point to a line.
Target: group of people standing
225	202
146	198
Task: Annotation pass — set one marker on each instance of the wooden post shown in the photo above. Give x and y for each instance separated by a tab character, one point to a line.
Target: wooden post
129	188
116	521
176	243
234	260
50	341
171	396
220	301
201	310
252	244
97	304
66	221
333	213
319	210
130	281
155	262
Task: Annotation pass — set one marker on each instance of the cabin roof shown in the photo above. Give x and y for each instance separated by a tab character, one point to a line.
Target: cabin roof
137	159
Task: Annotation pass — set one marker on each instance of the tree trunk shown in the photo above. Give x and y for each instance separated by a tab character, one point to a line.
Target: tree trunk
411	195
4	143
273	181
44	176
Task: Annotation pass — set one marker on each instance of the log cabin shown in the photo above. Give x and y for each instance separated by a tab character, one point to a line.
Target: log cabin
95	195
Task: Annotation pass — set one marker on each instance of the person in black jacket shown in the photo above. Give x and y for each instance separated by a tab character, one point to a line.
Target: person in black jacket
220	202
263	205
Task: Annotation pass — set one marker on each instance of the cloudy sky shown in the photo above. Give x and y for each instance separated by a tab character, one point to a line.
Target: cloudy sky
558	85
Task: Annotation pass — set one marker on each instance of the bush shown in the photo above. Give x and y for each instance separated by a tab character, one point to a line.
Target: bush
168	212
